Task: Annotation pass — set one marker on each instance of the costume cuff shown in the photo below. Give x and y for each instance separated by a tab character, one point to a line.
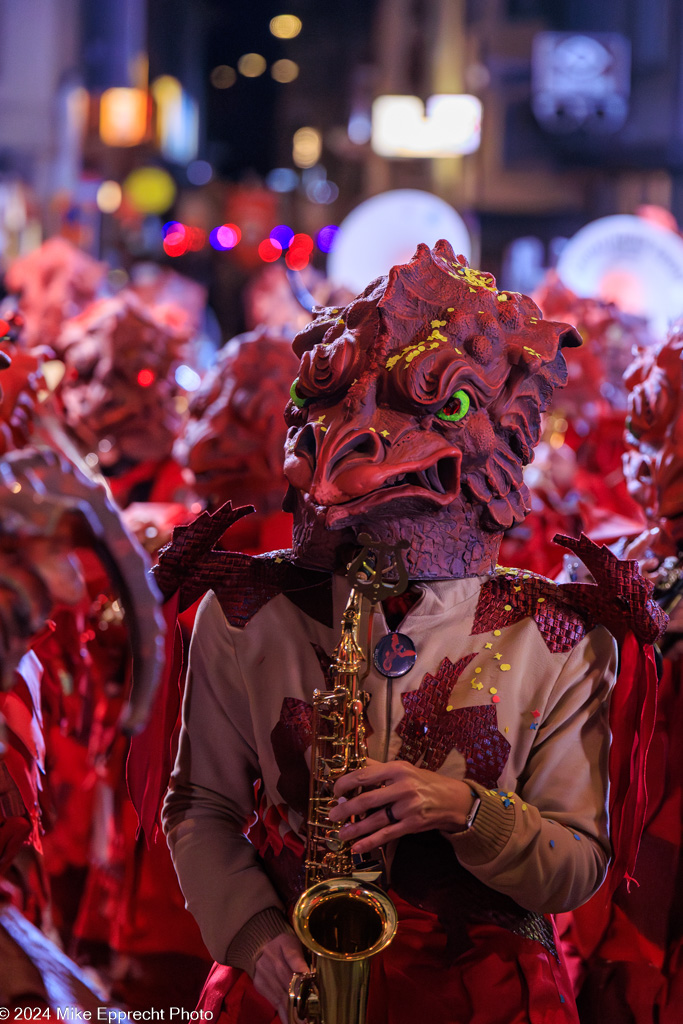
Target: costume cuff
490	830
244	949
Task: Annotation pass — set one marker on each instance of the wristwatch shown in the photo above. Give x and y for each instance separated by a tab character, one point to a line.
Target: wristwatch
469	820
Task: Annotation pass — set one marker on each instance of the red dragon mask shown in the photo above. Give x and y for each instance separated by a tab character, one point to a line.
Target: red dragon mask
414	412
234	435
117	394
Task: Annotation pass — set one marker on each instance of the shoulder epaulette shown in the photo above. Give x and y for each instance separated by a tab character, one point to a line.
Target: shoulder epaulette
619	599
243	584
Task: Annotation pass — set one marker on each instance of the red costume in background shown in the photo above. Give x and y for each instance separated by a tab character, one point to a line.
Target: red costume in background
576	483
631	948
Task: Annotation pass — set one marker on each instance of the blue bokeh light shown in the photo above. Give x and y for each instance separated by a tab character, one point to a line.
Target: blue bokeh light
327	237
282	234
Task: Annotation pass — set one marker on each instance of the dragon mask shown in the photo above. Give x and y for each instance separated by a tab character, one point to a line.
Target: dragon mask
415	409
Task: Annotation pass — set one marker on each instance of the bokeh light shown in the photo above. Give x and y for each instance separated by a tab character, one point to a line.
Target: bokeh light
176	241
146	377
150	189
322	192
269	251
282	234
251	65
199	172
282	179
223	76
307	146
303	242
124	116
285	26
285	70
359	128
109	196
187	378
177	120
181	238
117	278
226	236
296	259
326	237
299	252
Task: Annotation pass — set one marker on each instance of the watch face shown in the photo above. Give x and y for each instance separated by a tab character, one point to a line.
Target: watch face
394	655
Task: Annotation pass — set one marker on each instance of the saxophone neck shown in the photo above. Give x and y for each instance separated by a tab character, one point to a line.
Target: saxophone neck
348	656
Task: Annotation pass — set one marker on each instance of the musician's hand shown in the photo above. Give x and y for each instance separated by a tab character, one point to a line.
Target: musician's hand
278	961
420	800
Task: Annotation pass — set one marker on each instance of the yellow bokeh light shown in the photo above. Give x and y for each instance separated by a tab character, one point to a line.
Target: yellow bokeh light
307	146
251	65
284	70
166	89
150	189
285	26
109	196
223	76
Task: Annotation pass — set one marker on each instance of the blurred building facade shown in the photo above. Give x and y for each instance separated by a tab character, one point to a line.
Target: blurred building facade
529	177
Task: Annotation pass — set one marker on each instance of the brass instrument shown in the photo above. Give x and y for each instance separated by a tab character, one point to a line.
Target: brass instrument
342	918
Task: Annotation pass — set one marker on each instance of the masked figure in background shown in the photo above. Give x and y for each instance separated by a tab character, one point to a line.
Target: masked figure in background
234	436
414	411
117	396
632	948
576	483
53	283
52	519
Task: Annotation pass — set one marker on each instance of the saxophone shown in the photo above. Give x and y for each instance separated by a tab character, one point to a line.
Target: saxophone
342	917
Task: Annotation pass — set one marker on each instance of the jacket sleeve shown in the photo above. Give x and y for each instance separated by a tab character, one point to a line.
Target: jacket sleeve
211	799
546	845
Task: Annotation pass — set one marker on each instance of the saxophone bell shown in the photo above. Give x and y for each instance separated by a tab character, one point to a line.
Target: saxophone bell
344	922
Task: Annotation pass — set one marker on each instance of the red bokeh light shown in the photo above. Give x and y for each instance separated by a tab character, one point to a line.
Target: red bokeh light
269	250
302	242
296	259
146	377
176	240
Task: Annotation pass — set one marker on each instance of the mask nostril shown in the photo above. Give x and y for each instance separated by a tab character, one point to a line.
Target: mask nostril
306	446
364	445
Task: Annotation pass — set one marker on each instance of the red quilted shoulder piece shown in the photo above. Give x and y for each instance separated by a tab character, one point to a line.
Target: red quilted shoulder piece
242	583
620	599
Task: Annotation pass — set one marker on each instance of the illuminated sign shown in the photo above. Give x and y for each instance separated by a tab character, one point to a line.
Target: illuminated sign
580	80
445	126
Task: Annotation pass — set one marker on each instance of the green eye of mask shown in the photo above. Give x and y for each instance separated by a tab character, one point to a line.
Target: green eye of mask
298	402
456	407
